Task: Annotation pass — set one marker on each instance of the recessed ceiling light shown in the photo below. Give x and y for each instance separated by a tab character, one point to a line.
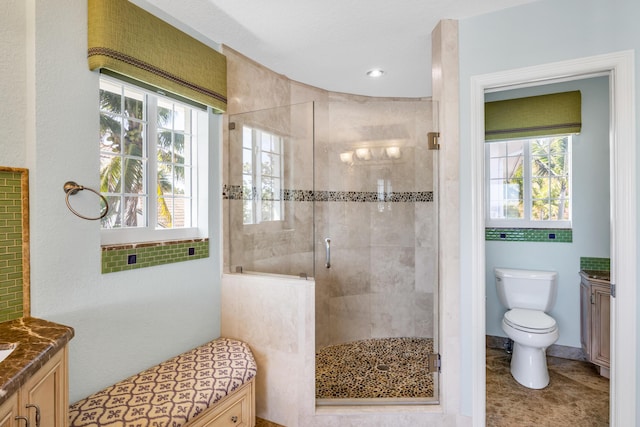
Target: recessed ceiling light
376	72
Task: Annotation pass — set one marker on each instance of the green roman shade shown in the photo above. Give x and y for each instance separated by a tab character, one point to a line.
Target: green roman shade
544	115
127	40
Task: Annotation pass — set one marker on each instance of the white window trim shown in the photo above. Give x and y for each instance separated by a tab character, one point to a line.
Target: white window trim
256	177
200	188
527	222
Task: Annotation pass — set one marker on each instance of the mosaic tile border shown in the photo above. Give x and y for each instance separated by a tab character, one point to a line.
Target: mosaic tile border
235	192
557	235
14	267
117	258
592	263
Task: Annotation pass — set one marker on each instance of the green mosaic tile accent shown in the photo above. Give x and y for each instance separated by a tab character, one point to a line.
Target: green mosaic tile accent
131	257
600	264
11	295
559	235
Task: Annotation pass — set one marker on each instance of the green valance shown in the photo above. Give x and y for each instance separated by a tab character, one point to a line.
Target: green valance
544	115
130	41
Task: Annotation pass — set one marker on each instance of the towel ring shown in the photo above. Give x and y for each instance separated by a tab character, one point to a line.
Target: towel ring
71	188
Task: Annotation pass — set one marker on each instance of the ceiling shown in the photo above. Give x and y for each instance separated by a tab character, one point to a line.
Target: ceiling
330	44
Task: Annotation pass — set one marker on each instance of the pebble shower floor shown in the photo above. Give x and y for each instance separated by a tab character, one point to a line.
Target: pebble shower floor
375	368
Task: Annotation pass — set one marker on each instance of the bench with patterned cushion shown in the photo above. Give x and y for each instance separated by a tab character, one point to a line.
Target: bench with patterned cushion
197	387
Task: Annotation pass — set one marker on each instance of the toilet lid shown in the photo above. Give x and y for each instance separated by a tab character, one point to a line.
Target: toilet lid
533	321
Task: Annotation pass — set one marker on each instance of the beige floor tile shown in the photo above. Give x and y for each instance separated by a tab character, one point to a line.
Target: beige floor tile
576	395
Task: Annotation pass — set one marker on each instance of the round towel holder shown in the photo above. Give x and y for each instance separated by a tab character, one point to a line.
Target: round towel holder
71	188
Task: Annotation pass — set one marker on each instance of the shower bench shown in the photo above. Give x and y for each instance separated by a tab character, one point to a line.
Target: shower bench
211	385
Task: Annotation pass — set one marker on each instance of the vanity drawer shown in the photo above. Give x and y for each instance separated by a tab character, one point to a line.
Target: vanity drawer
236	411
234	416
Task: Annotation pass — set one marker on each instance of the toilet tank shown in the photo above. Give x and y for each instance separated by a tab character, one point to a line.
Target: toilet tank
532	289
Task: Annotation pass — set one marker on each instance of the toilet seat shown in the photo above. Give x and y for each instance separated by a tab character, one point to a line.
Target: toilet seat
531	321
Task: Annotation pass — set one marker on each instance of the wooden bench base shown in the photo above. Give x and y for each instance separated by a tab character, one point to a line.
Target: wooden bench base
235	410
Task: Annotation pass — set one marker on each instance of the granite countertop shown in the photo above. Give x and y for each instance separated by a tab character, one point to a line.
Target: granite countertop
38	340
597	275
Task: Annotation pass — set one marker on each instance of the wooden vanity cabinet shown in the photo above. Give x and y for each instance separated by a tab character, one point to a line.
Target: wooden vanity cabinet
45	392
9	412
595	305
237	410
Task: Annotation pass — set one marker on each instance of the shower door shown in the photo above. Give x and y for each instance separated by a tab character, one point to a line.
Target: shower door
346	193
375	253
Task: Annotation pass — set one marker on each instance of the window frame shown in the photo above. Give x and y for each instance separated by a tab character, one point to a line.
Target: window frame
149	232
527	222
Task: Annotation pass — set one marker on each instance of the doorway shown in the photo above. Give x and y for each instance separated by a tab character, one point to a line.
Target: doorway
623	218
585	194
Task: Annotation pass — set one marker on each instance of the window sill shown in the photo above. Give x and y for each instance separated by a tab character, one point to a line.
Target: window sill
144	236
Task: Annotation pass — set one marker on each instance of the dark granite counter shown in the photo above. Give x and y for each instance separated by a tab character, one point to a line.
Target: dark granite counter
596	275
37	341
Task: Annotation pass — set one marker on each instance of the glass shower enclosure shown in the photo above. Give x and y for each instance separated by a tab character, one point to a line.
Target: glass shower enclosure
345	193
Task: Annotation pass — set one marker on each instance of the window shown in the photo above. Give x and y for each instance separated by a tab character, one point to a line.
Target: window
149	151
261	176
529	182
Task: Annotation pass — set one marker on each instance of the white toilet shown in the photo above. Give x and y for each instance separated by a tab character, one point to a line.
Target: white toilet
528	295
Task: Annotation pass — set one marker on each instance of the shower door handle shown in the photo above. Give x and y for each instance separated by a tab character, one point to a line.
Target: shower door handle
327	245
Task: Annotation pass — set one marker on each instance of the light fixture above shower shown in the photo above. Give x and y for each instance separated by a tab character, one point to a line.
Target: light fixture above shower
393	152
363	153
346	157
371	155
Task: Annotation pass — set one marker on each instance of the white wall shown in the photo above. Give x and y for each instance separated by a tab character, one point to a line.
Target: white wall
537	33
590	213
124	322
12	84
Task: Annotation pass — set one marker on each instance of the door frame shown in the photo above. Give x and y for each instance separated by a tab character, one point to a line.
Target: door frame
622	139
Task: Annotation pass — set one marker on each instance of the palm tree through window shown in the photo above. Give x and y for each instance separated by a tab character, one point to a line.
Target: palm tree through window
147	158
529	182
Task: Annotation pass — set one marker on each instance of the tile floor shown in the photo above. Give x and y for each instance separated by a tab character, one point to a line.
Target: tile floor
375	368
576	396
264	423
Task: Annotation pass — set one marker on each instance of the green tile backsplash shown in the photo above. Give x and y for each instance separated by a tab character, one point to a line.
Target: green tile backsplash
129	257
560	235
11	268
590	263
